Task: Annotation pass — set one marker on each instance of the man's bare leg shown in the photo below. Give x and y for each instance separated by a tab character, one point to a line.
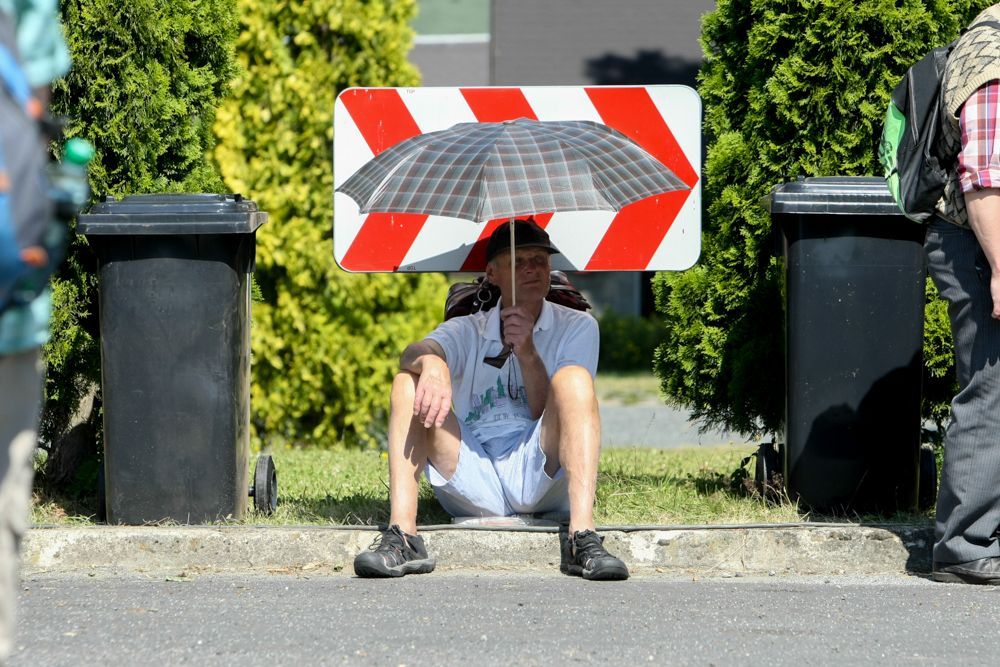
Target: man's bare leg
410	447
399	551
571	435
571	439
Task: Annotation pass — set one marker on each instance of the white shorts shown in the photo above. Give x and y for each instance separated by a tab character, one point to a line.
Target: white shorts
513	483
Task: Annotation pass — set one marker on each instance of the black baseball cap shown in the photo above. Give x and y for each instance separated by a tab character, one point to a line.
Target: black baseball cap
527	234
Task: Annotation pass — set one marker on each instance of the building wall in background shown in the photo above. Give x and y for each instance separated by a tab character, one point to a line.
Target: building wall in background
596	41
564	42
452	47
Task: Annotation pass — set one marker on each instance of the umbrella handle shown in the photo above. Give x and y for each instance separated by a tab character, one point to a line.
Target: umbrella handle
513	290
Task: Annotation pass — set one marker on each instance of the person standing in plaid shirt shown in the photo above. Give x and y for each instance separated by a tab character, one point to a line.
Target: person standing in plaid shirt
499	434
963	253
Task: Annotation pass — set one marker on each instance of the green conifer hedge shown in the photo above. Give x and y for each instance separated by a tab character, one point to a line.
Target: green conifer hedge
147	77
790	88
325	342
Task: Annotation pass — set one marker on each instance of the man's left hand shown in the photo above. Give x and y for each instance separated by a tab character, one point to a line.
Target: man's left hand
518	327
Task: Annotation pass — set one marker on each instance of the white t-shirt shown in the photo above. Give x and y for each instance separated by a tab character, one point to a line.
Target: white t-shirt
482	394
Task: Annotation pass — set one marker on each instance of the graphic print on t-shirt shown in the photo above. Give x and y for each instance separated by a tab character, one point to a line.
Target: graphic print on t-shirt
495	405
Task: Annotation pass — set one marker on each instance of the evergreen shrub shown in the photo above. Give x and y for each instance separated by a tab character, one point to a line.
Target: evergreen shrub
789	89
628	341
325	342
147	76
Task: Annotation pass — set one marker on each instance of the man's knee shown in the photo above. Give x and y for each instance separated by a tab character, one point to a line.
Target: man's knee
571	383
404	389
571	396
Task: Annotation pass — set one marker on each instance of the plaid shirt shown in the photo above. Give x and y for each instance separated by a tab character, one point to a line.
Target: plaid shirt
979	159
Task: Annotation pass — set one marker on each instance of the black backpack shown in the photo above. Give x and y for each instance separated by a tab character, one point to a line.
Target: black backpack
472	297
915	171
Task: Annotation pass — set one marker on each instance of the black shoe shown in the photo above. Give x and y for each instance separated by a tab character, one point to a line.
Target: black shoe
584	555
982	571
393	554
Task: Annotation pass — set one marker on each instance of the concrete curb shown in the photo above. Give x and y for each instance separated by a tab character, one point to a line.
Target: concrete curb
801	549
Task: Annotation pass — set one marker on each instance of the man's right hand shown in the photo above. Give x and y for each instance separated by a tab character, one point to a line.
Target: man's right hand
995	293
432	401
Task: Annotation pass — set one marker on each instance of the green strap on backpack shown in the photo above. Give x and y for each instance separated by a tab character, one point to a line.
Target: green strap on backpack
915	170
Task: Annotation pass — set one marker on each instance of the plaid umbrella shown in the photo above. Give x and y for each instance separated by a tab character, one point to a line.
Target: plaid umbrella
486	171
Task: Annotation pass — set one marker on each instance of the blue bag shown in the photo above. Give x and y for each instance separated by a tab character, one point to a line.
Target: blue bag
26	210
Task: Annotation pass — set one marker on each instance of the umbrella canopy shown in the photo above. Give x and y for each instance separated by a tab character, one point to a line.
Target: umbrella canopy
486	171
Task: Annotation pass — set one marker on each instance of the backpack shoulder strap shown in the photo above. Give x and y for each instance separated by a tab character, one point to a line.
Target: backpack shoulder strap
995	25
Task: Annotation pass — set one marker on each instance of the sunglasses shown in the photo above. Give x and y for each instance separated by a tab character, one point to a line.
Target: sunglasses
499	360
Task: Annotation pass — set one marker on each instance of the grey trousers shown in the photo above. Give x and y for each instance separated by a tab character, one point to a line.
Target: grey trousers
968	509
20	397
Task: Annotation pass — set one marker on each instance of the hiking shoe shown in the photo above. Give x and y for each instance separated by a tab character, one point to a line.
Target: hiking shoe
584	555
393	554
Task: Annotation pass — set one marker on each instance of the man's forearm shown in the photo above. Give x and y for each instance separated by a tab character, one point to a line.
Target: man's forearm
413	357
536	383
984	218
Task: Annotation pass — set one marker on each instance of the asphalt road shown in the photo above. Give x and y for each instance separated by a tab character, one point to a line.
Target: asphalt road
650	423
462	618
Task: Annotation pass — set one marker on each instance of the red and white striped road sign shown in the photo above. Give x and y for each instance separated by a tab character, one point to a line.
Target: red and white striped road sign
661	233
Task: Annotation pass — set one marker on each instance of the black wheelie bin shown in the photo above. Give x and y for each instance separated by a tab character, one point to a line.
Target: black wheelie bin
174	285
854	313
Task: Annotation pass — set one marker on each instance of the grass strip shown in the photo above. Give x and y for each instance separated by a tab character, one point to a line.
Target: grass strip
636	486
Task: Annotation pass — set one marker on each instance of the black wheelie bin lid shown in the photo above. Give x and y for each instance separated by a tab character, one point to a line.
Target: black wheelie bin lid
832	195
172	214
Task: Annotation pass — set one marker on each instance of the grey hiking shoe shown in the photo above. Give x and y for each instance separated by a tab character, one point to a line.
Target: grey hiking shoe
393	554
584	555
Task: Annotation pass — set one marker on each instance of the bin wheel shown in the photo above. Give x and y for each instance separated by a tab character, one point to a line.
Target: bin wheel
265	485
927	484
768	470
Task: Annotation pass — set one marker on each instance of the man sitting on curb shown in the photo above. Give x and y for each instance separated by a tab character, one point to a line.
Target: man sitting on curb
521	438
